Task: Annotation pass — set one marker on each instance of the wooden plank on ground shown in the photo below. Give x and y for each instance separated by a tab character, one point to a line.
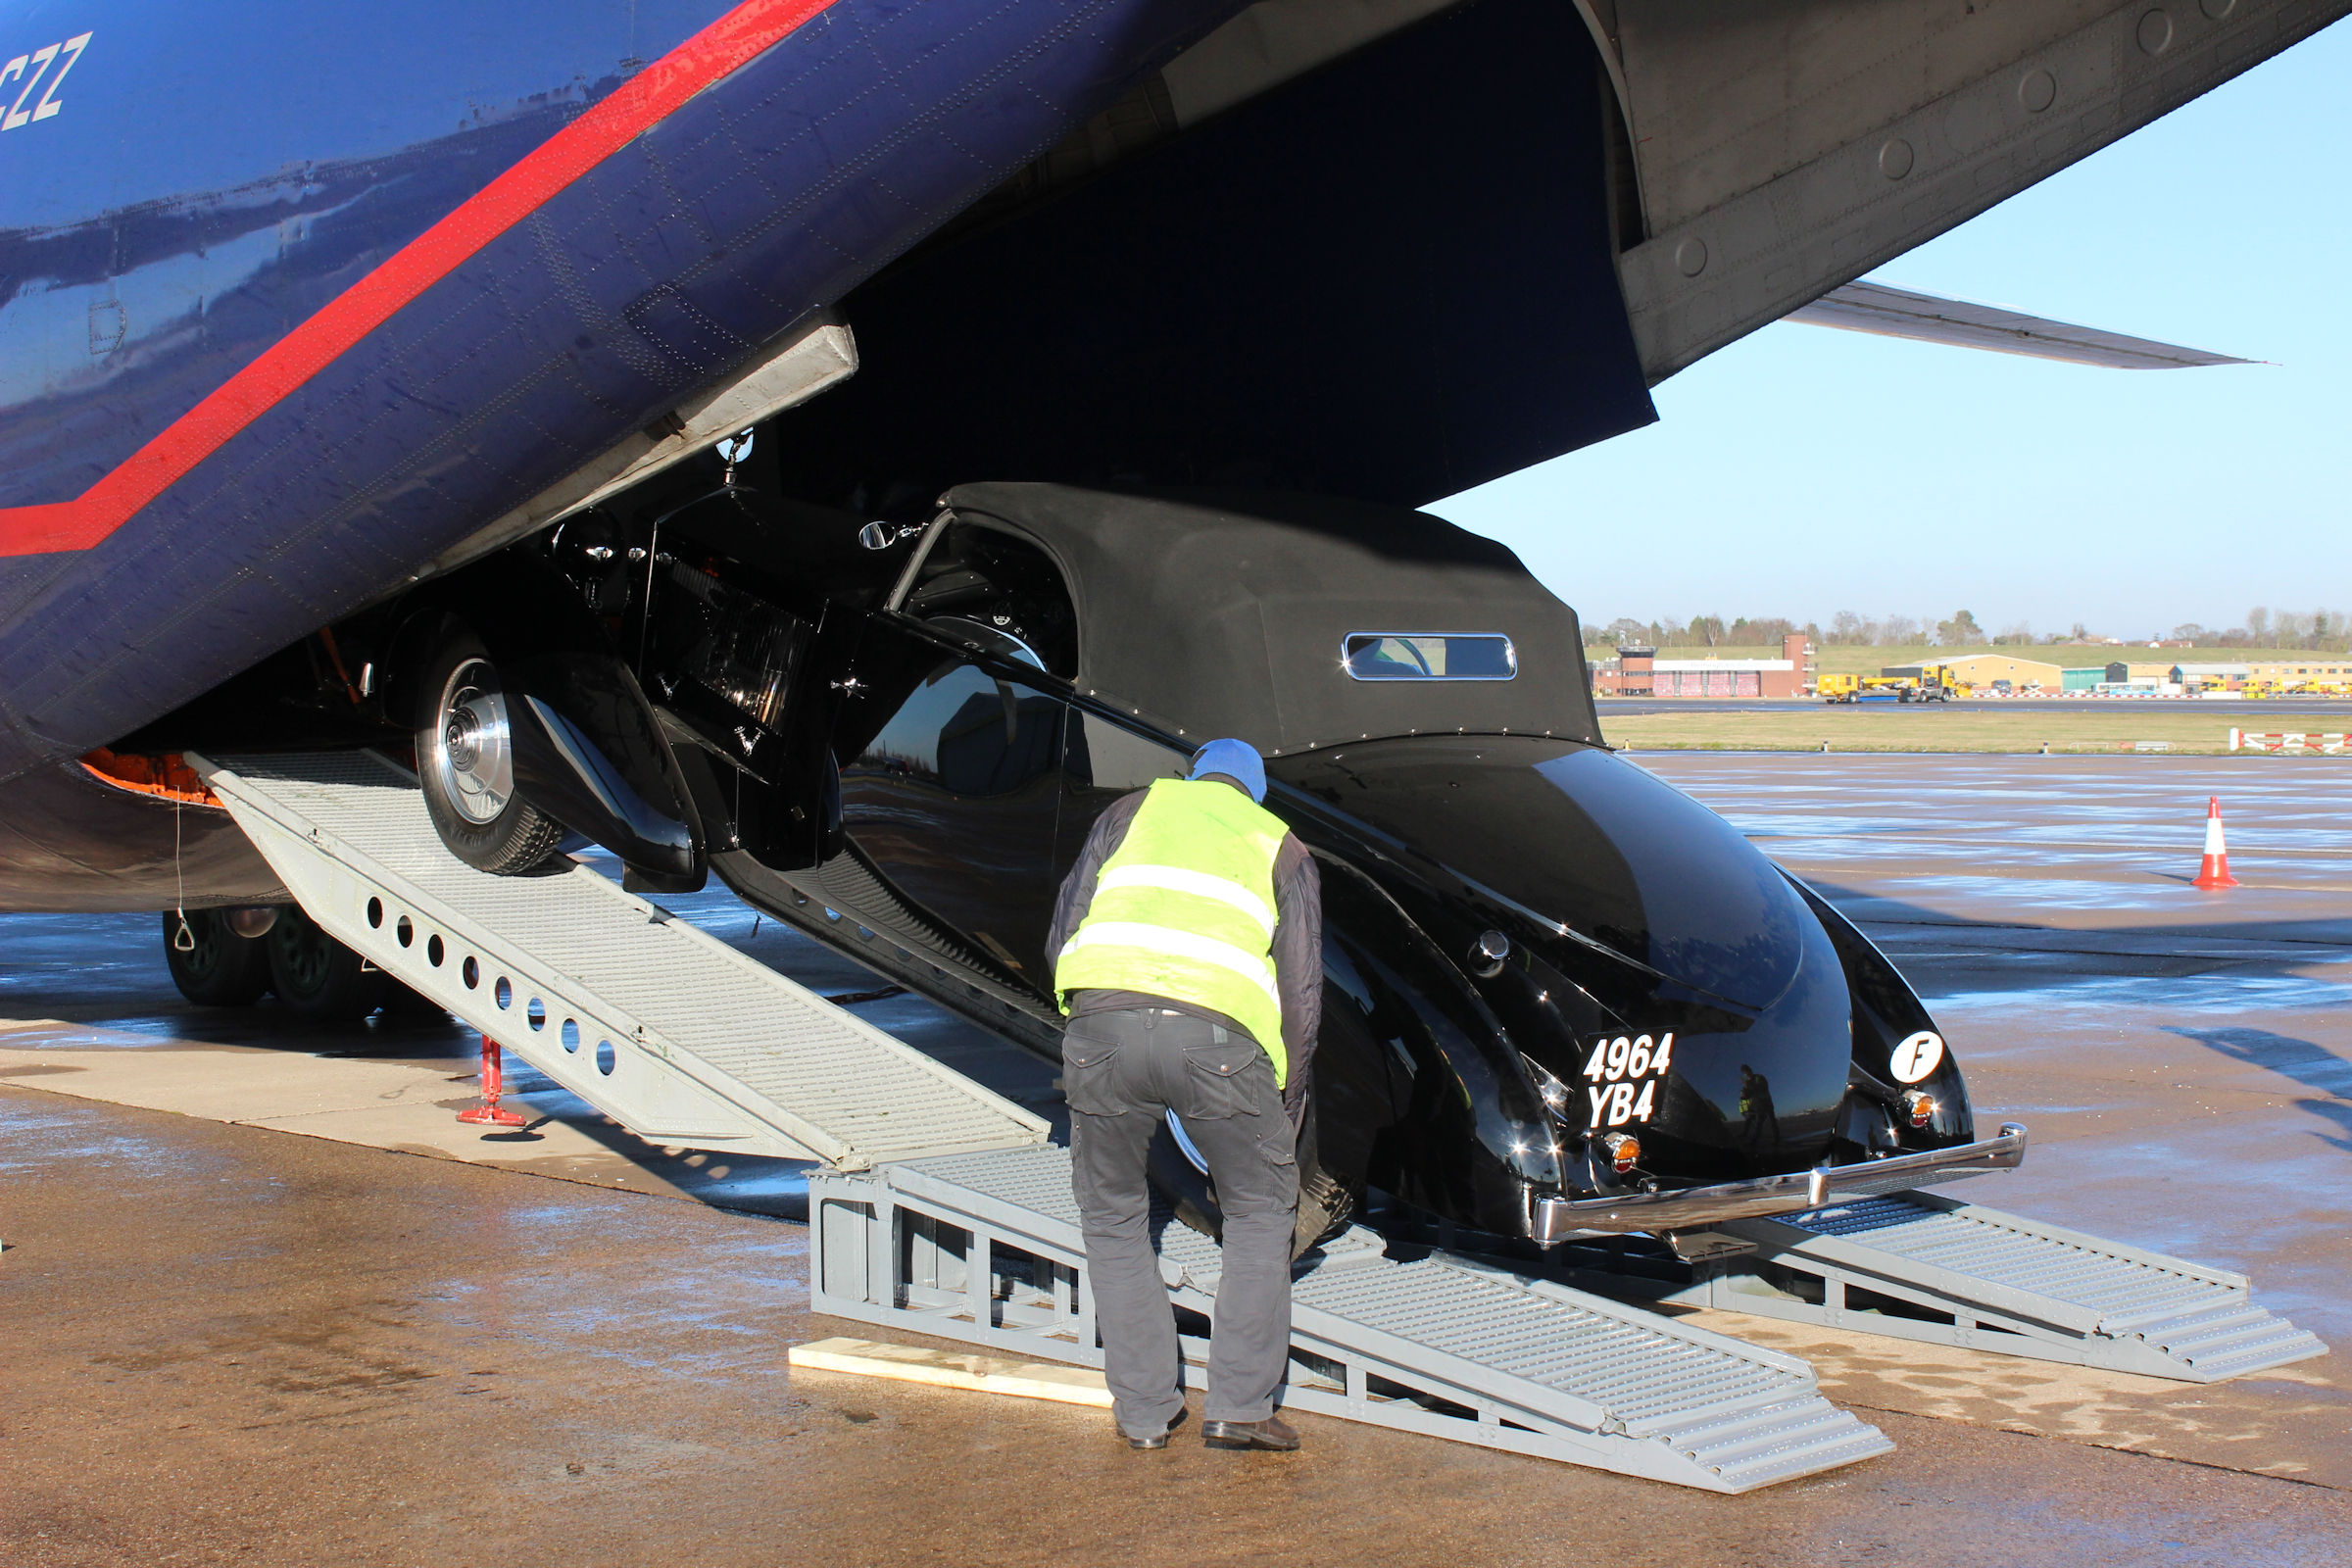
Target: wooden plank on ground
955	1369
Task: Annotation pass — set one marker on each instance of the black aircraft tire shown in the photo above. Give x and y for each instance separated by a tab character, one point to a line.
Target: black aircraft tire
1326	1202
318	979
223	969
518	838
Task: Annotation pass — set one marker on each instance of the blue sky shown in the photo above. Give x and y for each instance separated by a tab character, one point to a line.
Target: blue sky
1803	471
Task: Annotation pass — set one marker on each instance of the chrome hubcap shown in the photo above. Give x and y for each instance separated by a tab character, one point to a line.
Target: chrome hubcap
473	756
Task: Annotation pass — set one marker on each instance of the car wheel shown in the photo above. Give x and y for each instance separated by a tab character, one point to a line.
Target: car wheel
212	965
1326	1202
317	979
466	763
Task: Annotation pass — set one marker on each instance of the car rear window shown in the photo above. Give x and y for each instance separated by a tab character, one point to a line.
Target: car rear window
1429	656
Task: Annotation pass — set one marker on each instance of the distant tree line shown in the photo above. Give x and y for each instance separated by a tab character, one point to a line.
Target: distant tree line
2319	631
1702	631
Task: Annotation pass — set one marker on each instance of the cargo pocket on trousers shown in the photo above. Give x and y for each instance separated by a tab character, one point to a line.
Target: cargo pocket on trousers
1086	1069
1219	1082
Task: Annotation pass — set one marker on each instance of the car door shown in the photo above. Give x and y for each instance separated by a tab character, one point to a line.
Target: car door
950	787
1102	760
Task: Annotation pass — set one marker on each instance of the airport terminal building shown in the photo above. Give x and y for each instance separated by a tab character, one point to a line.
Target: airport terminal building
1638	672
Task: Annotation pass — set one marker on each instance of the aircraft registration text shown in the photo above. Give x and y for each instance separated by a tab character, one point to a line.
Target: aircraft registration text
30	68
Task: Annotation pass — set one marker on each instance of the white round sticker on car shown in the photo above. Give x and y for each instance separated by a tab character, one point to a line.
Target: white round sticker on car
1917	1057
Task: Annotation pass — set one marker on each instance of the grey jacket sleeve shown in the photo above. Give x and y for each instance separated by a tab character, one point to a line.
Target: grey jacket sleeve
1299	955
1078	888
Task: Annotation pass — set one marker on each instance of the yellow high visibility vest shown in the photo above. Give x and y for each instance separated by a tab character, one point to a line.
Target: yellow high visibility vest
1185	910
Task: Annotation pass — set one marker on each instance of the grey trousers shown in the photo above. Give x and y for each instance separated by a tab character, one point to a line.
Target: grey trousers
1122	1072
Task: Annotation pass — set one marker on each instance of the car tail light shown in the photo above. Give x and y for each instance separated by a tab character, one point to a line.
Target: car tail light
1624	1151
1920	1107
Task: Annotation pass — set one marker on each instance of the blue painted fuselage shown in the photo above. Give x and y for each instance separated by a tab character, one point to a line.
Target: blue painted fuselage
195	199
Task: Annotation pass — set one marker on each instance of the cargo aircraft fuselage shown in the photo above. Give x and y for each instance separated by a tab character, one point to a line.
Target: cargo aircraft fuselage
592	408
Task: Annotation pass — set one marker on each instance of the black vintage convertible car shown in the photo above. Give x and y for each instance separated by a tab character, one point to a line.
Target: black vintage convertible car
1561	997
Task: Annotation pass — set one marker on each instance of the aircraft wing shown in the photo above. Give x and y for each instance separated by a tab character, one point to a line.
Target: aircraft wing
1899	312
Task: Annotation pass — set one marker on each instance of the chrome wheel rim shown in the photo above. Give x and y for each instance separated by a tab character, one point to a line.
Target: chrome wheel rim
473	753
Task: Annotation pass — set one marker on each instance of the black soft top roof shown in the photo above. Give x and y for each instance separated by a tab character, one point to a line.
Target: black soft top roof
1224	611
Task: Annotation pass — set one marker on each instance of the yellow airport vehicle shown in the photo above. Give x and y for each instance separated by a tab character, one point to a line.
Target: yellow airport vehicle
1866	688
1936	684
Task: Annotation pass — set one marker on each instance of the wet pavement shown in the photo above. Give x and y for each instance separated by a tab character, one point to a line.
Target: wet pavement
87	1007
227	1344
2251	716
2183	1059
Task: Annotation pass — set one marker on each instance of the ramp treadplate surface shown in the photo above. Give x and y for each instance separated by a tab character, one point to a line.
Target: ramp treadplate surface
1920	1266
672	1033
987	1248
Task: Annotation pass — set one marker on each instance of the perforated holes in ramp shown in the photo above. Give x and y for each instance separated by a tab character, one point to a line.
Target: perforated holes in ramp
404	930
375	914
536	1013
606	1059
506	993
434	952
471	971
571	1035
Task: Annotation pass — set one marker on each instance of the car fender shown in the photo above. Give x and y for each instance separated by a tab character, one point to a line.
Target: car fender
1468	1134
1887	1011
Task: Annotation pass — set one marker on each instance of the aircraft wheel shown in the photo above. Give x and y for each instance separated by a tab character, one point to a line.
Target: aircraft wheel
317	979
465	761
216	967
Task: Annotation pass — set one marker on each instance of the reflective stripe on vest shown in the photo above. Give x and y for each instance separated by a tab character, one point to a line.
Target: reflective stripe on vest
1159	939
1178	880
1185	910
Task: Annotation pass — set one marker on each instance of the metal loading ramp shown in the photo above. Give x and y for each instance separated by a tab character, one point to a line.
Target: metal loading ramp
1922	1267
986	1249
670	1032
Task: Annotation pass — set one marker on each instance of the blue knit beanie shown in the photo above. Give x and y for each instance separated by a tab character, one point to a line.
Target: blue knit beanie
1236	761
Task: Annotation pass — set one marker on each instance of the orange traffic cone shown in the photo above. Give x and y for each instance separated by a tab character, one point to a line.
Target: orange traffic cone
2215	872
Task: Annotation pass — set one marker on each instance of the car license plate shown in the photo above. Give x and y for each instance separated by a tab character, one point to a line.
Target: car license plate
1621	1078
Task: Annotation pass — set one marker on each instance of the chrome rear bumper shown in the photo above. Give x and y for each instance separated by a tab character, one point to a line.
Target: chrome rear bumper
1558	1218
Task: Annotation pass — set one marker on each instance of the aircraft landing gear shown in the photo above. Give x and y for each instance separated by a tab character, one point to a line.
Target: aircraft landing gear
232	958
212	964
318	979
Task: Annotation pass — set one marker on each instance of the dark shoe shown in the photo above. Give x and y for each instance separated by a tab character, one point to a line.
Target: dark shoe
1272	1433
1158	1441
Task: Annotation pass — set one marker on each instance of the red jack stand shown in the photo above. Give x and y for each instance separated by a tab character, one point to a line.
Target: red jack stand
494	1084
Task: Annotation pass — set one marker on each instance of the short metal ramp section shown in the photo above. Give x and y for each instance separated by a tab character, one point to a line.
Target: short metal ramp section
673	1033
1924	1268
986	1249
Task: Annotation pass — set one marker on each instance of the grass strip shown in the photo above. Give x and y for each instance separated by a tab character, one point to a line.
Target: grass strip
1930	727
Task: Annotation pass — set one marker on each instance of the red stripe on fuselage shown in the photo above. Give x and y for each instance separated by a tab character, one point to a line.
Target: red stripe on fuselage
638	104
